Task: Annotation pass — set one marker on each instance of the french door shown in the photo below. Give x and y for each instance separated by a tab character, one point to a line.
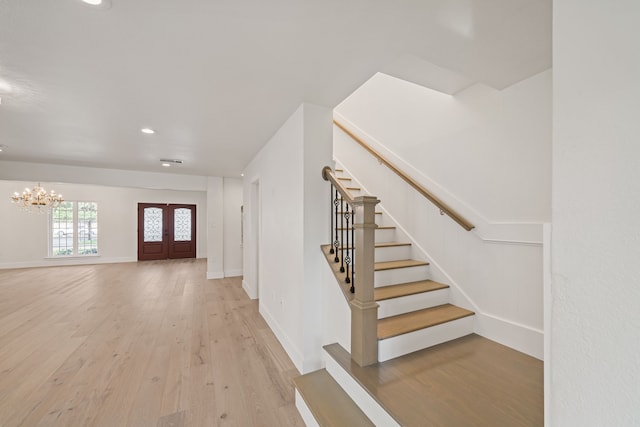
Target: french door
166	231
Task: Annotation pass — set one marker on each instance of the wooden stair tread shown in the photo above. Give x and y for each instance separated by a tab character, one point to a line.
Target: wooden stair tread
342	213
328	402
392	244
416	320
404	289
341	178
353	188
382	245
380	227
403	263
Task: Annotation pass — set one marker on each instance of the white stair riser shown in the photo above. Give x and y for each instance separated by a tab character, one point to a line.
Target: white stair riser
305	412
406	304
385	235
392	253
400	275
359	395
400	345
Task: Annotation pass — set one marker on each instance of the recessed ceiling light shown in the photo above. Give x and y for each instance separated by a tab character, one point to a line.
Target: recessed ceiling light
170	162
97	4
148	131
241	174
5	86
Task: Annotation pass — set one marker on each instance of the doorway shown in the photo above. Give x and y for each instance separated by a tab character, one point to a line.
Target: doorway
166	231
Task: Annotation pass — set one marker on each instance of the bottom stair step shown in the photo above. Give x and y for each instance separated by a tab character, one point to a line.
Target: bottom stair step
329	404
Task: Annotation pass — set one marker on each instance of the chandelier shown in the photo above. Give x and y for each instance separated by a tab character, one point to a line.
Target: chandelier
37	199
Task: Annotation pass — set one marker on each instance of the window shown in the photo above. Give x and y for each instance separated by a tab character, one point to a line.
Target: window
74	229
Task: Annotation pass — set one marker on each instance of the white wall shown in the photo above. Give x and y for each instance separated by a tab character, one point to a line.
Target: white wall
215	228
595	324
487	154
25	235
292	226
489	150
232	189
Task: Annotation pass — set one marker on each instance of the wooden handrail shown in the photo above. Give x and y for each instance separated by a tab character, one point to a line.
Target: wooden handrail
328	175
444	208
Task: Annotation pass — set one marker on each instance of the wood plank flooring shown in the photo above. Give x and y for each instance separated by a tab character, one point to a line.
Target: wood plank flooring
138	344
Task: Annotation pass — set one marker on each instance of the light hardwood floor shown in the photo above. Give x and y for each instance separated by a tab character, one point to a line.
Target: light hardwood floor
138	344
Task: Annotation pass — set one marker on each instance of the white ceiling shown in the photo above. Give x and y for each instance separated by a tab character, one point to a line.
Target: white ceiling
217	78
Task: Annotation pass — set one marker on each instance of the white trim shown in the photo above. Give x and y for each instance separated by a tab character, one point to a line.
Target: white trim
292	351
233	273
547	301
520	337
215	275
248	290
371	408
59	261
304	411
72	256
512	242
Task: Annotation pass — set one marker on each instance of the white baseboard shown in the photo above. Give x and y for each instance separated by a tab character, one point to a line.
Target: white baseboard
233	273
215	275
519	337
250	293
55	262
292	351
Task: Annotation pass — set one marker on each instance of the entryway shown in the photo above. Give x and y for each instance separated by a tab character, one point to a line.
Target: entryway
166	231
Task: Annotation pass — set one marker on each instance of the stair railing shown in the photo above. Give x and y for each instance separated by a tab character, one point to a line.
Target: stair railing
353	244
444	208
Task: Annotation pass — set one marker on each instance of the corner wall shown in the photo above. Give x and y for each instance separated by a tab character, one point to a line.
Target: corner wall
595	319
232	189
284	226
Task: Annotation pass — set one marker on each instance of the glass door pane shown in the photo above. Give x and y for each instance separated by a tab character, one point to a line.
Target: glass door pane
152	225
182	225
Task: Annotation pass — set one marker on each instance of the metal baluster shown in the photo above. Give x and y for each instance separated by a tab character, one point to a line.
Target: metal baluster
347	250
331	251
353	250
341	235
336	242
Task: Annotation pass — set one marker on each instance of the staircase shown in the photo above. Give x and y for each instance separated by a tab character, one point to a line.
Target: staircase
414	313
